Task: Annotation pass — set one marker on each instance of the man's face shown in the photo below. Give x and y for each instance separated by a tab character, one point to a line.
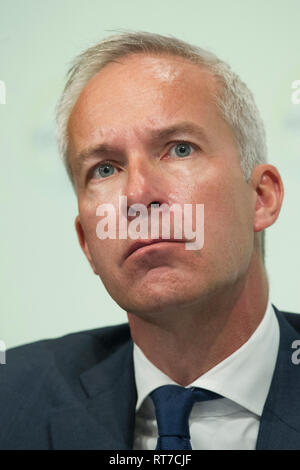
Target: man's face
124	107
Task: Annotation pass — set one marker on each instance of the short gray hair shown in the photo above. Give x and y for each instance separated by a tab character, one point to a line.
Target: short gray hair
235	100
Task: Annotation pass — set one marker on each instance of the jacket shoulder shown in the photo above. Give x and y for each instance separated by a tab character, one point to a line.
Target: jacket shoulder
77	350
44	375
292	318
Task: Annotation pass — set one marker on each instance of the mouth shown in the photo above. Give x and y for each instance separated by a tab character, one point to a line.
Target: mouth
142	243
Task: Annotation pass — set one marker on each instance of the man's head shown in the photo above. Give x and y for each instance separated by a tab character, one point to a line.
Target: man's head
137	96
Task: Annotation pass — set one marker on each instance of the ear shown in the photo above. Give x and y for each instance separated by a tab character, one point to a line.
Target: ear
83	243
267	184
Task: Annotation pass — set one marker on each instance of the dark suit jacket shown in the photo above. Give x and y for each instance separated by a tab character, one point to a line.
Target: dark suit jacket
78	392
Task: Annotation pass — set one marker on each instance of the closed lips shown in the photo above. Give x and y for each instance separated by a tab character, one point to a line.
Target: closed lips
135	246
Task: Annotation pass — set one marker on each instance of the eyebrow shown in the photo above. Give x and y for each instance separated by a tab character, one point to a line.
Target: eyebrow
103	148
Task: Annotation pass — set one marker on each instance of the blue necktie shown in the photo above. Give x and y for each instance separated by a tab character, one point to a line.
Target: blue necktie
173	405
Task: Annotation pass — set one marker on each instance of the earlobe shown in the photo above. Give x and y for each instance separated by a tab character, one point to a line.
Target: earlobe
268	187
82	242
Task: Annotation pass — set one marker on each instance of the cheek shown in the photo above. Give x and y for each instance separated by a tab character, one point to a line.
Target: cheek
228	218
88	219
103	251
95	207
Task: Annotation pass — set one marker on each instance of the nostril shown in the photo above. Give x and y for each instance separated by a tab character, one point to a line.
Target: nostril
155	203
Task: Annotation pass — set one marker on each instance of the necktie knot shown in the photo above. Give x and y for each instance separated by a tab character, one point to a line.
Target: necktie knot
173	405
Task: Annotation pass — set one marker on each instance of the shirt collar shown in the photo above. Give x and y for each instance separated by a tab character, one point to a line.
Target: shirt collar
243	377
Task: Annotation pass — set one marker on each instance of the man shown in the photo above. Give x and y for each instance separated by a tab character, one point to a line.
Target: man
205	361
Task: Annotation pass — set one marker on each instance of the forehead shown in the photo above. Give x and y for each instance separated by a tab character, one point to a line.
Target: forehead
140	92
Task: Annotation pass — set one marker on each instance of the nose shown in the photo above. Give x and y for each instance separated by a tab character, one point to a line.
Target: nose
146	184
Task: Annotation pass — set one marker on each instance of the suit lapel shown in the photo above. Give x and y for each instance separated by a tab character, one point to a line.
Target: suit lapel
106	419
280	421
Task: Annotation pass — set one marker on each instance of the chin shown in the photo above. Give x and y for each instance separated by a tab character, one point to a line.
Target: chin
148	303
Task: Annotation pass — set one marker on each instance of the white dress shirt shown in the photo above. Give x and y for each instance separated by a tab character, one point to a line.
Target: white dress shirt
243	378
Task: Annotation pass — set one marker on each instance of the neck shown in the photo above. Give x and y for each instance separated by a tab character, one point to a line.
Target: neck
188	342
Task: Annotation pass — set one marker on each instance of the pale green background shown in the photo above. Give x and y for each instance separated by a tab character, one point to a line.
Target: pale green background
47	286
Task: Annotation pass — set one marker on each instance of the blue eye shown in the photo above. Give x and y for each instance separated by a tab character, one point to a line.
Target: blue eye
103	170
183	149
